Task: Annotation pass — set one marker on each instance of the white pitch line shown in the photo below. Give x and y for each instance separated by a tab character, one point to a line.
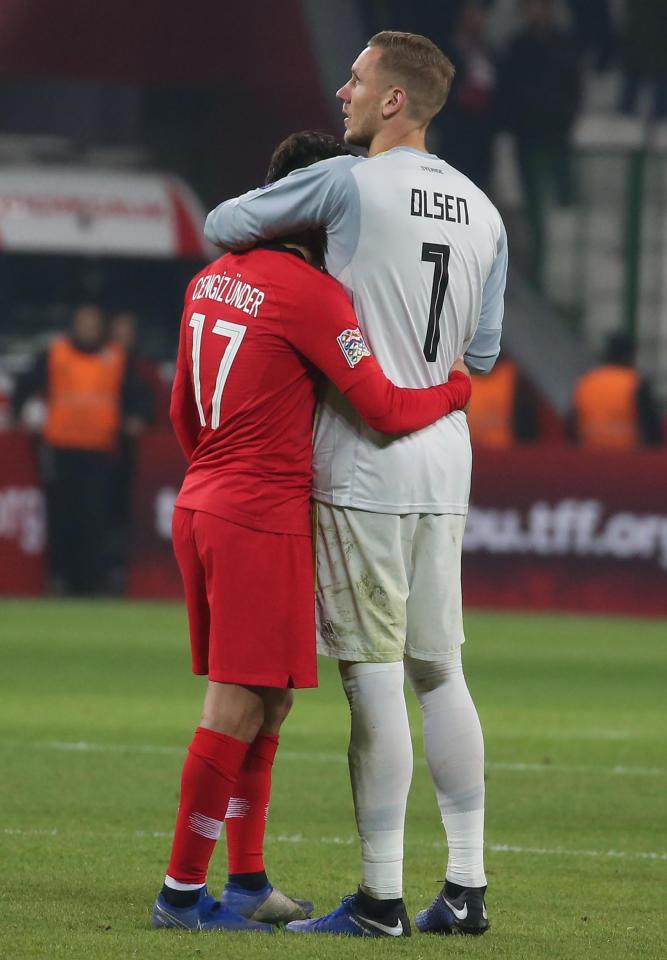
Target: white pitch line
83	746
299	838
618	770
492	847
305	756
566	852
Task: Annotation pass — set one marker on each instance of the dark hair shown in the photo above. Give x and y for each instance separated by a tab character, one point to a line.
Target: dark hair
301	150
620	349
295	152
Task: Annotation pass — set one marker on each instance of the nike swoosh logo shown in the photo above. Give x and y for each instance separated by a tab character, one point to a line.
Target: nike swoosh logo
396	931
177	922
459	914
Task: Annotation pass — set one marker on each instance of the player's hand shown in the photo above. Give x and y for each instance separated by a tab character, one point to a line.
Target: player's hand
460	366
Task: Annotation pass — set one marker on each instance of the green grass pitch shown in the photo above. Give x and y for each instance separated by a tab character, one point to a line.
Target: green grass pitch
97	705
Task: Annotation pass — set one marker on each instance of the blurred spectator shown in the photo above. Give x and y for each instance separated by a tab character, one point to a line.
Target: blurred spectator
6	386
612	406
503	408
645	63
87	388
540	93
435	19
151	400
148	394
593	24
467	125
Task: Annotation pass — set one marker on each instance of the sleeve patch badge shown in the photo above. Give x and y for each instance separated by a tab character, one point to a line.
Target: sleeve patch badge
353	345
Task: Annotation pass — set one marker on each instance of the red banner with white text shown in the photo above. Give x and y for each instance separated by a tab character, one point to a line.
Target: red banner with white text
549	527
565	529
22	517
159	473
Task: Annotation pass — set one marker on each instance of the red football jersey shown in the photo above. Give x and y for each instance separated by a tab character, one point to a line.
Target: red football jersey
256	329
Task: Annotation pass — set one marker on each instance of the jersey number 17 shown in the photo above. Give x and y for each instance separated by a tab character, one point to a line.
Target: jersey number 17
224	328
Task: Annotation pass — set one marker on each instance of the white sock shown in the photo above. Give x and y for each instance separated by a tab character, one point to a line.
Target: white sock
177	885
380	757
454	749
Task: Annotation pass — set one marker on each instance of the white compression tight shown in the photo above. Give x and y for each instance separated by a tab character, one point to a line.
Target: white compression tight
454	749
380	757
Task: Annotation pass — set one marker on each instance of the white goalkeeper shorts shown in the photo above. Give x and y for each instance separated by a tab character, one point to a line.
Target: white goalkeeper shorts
388	586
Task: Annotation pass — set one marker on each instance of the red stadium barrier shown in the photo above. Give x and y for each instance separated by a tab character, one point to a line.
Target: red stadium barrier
153	572
22	518
550	527
560	528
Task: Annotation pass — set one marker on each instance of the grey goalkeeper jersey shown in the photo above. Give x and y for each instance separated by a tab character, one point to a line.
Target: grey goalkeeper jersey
422	253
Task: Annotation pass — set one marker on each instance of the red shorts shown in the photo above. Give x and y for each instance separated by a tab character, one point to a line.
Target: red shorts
250	600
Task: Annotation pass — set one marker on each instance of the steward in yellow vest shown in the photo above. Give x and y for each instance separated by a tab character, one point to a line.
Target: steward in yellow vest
84	395
612	407
502	408
84	382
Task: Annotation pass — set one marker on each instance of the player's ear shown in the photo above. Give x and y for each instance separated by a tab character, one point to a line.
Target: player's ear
393	102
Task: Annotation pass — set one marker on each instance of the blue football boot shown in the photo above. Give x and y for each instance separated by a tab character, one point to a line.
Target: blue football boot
206	914
268	904
463	914
349	920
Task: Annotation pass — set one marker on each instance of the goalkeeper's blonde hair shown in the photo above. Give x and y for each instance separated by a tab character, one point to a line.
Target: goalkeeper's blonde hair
419	66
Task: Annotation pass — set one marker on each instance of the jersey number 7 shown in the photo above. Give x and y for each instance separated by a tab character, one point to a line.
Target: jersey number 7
224	328
437	253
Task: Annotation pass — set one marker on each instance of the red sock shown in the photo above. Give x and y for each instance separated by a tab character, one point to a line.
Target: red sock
209	774
245	822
